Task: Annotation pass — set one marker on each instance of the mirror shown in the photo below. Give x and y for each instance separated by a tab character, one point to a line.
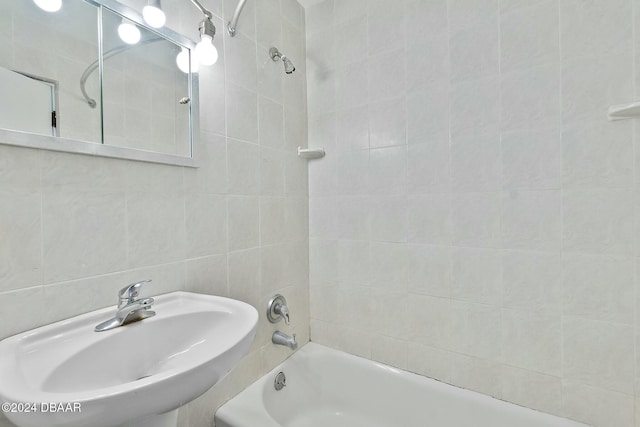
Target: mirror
145	95
42	56
63	87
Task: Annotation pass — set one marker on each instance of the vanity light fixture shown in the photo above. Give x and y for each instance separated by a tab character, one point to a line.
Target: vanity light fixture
49	5
128	32
153	14
205	51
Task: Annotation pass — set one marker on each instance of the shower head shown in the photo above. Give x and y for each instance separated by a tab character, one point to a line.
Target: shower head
288	65
275	55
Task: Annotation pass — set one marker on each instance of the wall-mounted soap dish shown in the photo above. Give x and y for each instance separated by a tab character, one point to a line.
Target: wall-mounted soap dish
311	153
625	111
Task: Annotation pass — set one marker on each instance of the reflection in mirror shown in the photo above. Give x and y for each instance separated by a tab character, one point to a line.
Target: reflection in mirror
133	93
42	56
146	97
28	103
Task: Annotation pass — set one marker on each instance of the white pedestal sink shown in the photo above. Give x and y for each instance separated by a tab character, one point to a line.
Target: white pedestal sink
133	375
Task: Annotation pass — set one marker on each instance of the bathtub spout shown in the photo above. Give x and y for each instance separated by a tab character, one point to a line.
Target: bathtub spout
281	338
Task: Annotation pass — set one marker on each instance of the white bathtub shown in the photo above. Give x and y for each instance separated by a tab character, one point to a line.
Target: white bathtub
326	387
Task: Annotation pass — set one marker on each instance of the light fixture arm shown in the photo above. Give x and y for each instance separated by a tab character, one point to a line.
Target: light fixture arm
202	9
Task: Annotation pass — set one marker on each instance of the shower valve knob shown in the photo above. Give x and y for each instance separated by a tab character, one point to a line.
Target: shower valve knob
277	309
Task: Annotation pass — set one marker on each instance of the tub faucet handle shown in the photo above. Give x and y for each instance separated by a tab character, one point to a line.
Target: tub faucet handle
277	309
284	312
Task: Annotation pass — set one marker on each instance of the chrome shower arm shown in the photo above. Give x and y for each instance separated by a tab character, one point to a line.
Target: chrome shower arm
233	24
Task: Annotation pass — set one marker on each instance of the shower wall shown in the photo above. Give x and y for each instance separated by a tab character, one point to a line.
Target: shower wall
473	220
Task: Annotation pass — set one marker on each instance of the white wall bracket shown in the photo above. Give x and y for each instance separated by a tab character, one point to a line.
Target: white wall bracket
625	111
311	153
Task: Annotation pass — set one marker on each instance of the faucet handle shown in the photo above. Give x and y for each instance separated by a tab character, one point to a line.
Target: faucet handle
130	293
283	310
277	309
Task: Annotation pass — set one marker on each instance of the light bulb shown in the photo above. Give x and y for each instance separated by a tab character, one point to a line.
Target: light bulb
153	14
206	52
128	32
182	60
49	5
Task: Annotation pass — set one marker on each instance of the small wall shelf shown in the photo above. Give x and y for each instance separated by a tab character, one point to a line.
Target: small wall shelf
625	111
311	153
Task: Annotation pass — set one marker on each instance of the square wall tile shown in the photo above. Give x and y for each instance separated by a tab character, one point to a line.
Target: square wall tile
429	166
429	321
387	123
158	238
244	222
598	155
425	19
475	105
430	270
21	239
386	25
476	330
389	219
531	98
85	232
532	220
533	341
475	53
598	288
476	219
598	221
591	84
206	225
475	162
532	159
476	275
429	219
532	389
529	35
481	375
428	114
595	28
599	354
429	361
532	281
596	406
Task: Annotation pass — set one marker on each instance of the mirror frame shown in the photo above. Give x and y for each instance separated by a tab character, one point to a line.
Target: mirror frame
55	143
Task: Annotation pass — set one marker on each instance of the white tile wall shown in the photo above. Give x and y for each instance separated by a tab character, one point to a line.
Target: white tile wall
74	229
496	204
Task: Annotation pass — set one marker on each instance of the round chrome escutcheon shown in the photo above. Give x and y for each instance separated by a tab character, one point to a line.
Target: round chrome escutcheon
280	382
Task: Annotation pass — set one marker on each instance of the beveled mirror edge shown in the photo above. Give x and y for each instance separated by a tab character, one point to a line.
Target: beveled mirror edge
54	143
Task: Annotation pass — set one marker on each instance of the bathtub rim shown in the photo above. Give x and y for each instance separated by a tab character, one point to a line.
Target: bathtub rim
235	413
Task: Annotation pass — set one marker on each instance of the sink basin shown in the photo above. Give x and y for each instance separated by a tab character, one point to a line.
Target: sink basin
134	372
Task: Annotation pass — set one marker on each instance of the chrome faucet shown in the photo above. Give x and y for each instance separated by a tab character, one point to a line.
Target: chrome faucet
281	338
131	308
